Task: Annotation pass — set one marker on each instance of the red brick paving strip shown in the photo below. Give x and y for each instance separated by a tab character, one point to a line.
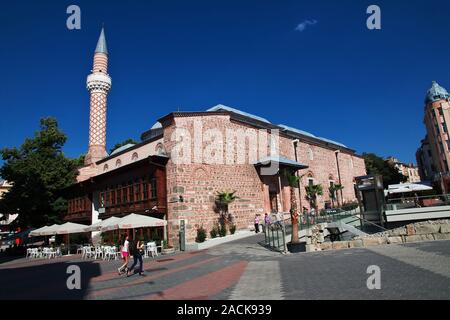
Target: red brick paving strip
98	293
170	259
204	286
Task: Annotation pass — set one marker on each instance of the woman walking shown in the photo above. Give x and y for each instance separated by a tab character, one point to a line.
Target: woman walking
137	249
256	223
125	256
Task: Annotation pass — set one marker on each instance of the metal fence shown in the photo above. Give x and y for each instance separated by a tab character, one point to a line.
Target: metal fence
275	234
417	202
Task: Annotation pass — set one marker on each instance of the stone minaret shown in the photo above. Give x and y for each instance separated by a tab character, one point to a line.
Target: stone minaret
98	84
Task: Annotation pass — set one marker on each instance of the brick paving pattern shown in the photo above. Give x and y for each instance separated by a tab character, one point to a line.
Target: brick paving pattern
242	270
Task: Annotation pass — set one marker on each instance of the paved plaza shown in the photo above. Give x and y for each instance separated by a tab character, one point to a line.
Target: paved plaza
243	270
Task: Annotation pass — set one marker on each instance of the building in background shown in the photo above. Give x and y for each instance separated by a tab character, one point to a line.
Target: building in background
144	178
425	164
434	153
410	171
4	187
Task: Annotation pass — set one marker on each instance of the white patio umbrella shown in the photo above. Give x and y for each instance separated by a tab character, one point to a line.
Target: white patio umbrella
408	187
134	221
37	232
50	231
99	225
69	228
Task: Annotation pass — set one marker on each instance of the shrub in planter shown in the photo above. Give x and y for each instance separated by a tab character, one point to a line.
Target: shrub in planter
222	230
201	235
232	229
214	232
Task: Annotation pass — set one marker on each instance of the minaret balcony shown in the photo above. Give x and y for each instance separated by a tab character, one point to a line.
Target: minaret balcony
98	82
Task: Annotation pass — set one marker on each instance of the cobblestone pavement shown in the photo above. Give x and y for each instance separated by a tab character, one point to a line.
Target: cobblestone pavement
243	270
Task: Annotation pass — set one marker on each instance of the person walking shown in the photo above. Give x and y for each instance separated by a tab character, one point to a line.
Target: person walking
136	249
267	220
280	218
256	223
125	256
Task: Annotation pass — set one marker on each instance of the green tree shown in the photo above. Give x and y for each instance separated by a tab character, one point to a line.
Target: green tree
312	192
121	144
333	190
38	170
293	181
223	200
376	165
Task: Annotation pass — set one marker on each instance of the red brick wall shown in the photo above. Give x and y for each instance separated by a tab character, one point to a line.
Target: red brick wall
198	183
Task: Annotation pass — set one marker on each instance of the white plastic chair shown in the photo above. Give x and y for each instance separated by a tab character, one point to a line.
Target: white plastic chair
88	252
113	253
98	253
152	249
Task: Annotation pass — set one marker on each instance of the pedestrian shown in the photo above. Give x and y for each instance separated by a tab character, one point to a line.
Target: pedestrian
305	215
417	201
125	256
279	219
256	223
267	219
137	250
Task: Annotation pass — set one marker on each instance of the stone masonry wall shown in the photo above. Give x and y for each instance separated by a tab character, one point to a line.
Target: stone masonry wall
416	232
198	183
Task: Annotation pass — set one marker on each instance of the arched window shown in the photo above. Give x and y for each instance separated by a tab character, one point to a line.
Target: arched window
118	163
310	154
160	149
105	167
134	157
310	179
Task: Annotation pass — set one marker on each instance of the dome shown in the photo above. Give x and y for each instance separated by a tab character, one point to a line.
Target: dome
157	125
436	93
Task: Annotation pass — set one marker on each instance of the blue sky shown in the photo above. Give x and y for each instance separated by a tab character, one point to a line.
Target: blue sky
333	77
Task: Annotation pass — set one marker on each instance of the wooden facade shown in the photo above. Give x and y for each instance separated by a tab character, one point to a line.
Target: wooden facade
139	187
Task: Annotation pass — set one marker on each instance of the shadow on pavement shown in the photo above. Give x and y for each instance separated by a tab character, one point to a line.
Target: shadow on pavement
47	281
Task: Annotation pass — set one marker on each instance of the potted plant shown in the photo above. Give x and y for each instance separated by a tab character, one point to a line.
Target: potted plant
166	249
201	235
214	232
293	180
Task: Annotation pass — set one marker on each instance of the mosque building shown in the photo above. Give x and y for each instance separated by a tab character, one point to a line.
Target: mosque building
186	158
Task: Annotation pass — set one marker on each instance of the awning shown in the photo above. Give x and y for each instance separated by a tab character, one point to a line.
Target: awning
101	224
281	161
134	221
70	227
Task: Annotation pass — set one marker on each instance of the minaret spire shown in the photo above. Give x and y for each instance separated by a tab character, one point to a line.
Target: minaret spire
98	84
101	43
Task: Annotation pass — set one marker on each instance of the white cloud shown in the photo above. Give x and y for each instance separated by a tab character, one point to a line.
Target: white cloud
302	26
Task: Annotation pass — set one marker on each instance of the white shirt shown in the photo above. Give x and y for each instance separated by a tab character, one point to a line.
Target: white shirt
125	246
